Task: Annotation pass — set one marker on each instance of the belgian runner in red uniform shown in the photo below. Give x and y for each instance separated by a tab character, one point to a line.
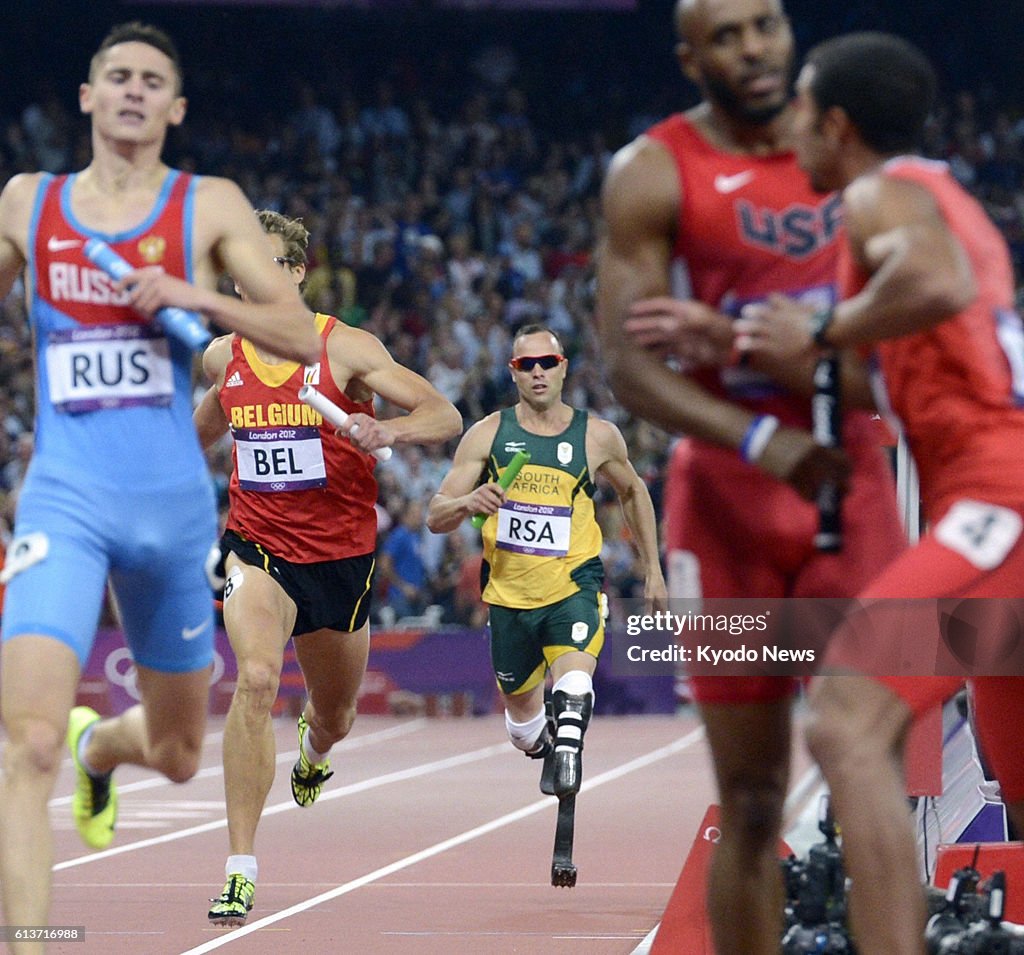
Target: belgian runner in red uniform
299	544
926	279
706	213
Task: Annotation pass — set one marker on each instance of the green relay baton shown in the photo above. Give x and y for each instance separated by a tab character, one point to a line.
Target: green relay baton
504	482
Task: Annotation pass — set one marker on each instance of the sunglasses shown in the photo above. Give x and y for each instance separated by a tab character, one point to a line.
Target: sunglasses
285	260
529	362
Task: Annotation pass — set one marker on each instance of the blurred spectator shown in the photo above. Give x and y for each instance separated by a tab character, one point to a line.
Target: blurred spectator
384	120
377	279
446	371
402	573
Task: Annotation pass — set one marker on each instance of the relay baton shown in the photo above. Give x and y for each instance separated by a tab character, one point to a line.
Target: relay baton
334	414
827	423
186	326
505	481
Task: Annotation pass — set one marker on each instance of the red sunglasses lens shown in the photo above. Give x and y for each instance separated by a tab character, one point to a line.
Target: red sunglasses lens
547	362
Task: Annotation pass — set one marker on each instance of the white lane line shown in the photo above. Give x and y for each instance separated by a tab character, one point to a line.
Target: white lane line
369	739
810	780
401	775
469	835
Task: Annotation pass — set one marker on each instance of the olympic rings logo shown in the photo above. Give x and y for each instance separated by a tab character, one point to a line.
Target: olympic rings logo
119	669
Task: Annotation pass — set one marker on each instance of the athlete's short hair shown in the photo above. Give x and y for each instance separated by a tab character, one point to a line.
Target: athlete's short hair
534	328
138	32
885	84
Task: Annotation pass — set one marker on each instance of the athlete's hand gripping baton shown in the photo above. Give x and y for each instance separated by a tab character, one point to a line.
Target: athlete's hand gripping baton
505	481
334	414
827	422
184	325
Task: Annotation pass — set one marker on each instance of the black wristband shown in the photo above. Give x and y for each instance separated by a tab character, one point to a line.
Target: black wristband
820	323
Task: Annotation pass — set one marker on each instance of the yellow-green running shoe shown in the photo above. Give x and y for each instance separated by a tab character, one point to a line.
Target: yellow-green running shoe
234	902
308	778
94	803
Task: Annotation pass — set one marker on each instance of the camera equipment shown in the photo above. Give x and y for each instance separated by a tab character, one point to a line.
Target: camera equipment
971	923
816	896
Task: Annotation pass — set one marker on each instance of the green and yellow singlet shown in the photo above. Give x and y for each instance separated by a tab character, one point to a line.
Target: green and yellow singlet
543	544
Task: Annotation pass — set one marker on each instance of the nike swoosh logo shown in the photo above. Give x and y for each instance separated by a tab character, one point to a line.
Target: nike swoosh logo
726	184
190	633
59	245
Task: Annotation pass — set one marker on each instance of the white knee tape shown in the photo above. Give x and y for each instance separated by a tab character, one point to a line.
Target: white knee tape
525	735
575	682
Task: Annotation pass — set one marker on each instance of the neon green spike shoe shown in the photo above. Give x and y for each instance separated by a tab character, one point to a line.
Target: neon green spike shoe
308	778
234	903
94	803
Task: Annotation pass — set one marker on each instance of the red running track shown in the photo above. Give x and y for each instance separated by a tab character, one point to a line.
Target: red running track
432	837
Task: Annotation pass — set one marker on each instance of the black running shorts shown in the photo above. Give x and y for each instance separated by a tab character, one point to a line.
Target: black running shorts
331	594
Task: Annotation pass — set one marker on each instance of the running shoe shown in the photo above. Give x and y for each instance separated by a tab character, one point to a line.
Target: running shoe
234	903
94	803
308	778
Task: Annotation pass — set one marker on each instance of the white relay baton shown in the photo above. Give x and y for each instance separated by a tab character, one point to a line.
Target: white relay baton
334	414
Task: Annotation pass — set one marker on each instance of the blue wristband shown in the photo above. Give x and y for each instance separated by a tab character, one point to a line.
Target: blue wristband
759	433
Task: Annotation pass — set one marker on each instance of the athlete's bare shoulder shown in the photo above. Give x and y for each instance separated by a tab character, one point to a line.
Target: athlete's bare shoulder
355	350
222	210
604	441
16	203
645	164
641	193
484	430
217	356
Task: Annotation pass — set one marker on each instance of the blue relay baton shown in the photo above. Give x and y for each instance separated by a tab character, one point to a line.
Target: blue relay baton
182	324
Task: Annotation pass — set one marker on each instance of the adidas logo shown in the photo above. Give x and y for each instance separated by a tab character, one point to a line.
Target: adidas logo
234	381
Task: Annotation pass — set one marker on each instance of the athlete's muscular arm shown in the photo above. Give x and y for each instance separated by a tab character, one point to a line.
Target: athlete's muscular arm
15	213
208	416
640	204
461	495
358	358
607	450
920	273
228	237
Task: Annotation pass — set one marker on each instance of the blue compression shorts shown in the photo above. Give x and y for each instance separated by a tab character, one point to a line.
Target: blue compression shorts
152	545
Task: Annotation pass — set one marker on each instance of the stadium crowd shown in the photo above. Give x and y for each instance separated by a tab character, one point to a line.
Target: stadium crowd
442	225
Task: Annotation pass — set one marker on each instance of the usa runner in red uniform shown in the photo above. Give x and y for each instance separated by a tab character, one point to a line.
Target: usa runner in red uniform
926	279
299	543
706	213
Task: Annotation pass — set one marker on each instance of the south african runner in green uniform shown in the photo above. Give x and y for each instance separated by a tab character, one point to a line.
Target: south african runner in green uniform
542	544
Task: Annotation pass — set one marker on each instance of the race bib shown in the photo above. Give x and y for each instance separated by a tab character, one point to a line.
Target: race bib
280	459
537	529
982	533
108	366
